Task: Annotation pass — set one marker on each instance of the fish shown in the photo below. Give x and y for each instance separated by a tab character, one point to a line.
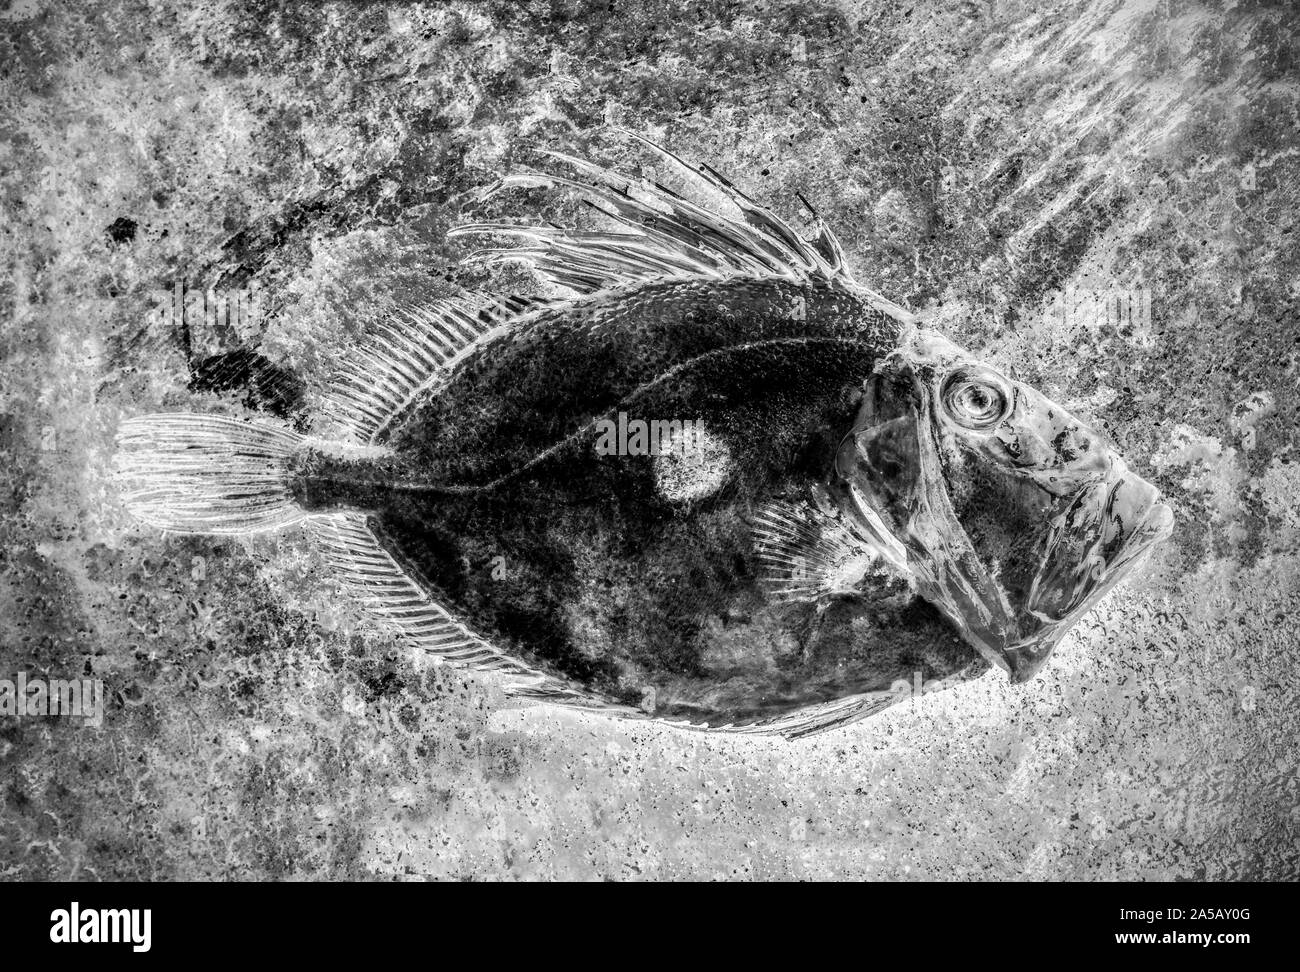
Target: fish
704	477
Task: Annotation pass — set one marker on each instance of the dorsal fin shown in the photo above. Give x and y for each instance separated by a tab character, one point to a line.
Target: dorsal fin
408	352
667	236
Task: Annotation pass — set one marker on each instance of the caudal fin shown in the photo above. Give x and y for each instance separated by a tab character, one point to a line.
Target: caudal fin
207	473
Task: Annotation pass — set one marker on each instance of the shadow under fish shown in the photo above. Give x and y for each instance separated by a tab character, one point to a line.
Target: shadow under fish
717	482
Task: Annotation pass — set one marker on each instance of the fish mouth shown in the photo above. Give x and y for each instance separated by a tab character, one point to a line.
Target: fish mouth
1088	538
1098	536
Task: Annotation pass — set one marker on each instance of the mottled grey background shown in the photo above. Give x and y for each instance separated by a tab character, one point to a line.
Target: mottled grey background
976	159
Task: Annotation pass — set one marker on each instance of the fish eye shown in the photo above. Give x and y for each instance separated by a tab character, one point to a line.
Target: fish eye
976	400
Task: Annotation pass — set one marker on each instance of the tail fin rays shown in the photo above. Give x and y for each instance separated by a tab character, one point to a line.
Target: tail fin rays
207	473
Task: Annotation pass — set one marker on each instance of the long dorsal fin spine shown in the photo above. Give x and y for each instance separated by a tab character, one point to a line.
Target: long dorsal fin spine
762	243
753	213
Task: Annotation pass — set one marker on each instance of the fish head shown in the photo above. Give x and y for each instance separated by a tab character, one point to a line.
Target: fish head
1014	516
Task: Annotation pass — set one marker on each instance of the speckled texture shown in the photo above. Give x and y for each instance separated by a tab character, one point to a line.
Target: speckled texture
975	158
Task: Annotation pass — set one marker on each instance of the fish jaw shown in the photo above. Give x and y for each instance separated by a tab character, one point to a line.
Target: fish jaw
1073	530
1098	537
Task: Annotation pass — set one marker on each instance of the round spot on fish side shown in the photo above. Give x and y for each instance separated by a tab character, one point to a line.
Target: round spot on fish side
692	463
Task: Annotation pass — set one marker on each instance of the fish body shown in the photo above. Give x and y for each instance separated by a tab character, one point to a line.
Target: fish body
718	482
633	569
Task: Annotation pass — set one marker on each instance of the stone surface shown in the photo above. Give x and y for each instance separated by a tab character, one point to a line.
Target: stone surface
1011	168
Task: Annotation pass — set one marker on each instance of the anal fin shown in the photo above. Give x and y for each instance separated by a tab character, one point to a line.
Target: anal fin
812	719
371	576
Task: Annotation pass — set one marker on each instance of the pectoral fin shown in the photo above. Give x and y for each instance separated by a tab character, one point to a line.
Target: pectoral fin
810	555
